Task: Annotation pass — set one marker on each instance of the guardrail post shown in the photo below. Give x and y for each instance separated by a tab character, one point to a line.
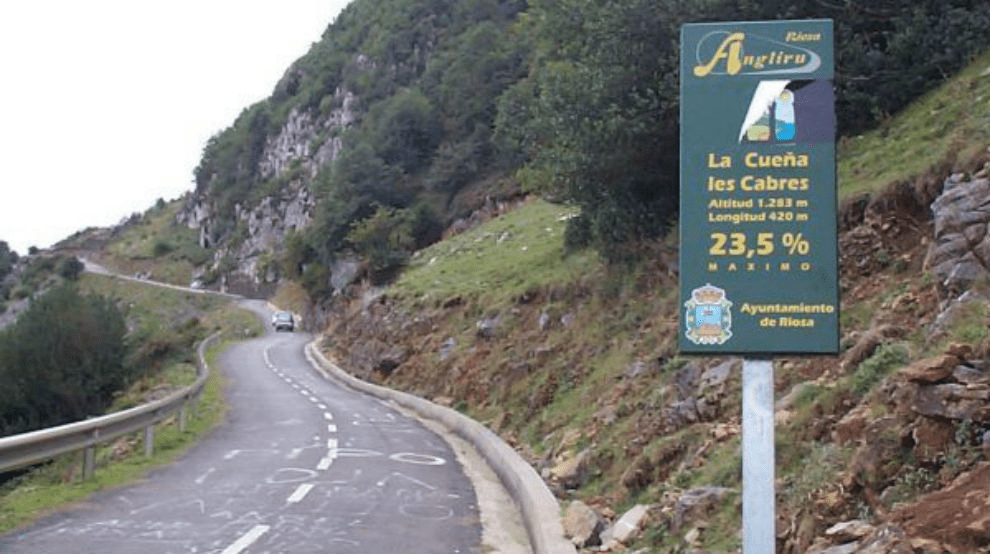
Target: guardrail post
149	440
182	418
89	456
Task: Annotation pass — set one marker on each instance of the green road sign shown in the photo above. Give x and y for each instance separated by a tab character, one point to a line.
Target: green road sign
758	245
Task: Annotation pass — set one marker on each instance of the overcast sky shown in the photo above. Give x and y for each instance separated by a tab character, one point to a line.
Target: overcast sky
105	105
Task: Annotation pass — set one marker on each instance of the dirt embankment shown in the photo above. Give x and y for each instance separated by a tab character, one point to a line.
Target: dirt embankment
904	436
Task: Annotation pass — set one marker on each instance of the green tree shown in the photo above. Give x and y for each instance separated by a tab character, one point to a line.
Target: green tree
406	131
7	259
348	192
385	238
69	268
597	116
296	253
61	361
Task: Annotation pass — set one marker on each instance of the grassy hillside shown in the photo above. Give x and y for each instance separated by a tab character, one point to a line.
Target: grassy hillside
503	259
151	244
946	128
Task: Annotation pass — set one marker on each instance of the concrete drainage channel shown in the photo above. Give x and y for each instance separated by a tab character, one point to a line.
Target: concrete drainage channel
539	509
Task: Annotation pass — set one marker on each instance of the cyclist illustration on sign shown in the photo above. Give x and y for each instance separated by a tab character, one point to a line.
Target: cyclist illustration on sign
784	111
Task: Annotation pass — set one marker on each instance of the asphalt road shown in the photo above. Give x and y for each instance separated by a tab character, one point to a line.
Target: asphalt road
301	466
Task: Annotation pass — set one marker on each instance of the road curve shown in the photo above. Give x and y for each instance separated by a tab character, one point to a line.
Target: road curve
300	466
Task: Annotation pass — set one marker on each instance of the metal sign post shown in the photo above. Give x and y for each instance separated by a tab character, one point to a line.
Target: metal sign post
759	520
758	244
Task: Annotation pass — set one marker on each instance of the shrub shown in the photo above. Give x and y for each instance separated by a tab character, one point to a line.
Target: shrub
61	361
69	268
161	248
874	368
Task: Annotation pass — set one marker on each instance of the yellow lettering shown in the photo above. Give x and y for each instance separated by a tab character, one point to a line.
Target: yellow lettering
730	51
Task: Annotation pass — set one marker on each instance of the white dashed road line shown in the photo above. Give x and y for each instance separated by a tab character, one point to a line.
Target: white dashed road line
300	493
247	540
324	464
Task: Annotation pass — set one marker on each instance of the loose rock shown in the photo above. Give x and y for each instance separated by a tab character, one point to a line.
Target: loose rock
582	525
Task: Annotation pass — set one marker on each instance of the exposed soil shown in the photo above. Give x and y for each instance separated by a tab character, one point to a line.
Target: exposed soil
513	360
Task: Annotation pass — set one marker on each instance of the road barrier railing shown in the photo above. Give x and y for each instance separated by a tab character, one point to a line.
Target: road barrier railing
22	450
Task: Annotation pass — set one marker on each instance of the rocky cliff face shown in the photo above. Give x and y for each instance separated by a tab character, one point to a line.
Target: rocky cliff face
306	142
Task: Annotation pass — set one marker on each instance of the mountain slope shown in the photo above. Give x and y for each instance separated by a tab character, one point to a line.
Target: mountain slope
407	116
577	367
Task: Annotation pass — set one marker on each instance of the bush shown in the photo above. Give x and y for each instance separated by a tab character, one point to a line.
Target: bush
384	238
21	292
161	248
316	279
874	368
61	361
69	268
7	259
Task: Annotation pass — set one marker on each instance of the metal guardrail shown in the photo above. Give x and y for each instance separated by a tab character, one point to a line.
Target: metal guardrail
37	446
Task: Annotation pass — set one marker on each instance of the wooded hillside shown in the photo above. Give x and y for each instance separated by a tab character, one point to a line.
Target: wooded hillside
575	99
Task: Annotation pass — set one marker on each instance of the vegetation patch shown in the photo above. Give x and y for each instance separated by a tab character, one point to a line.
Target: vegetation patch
942	128
508	256
874	368
155	245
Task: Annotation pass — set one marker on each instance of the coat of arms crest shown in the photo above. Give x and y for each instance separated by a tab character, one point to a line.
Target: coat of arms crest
708	316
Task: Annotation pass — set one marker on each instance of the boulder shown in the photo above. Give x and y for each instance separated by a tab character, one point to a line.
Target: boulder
850	428
696	394
544	321
639	474
715	378
952	401
636	369
881	444
848	531
828	548
956	516
866	344
962	351
862	538
970	376
931	370
582	525
931	438
886	539
927	546
696	503
954	310
572	472
958	255
447	348
627	527
487	327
